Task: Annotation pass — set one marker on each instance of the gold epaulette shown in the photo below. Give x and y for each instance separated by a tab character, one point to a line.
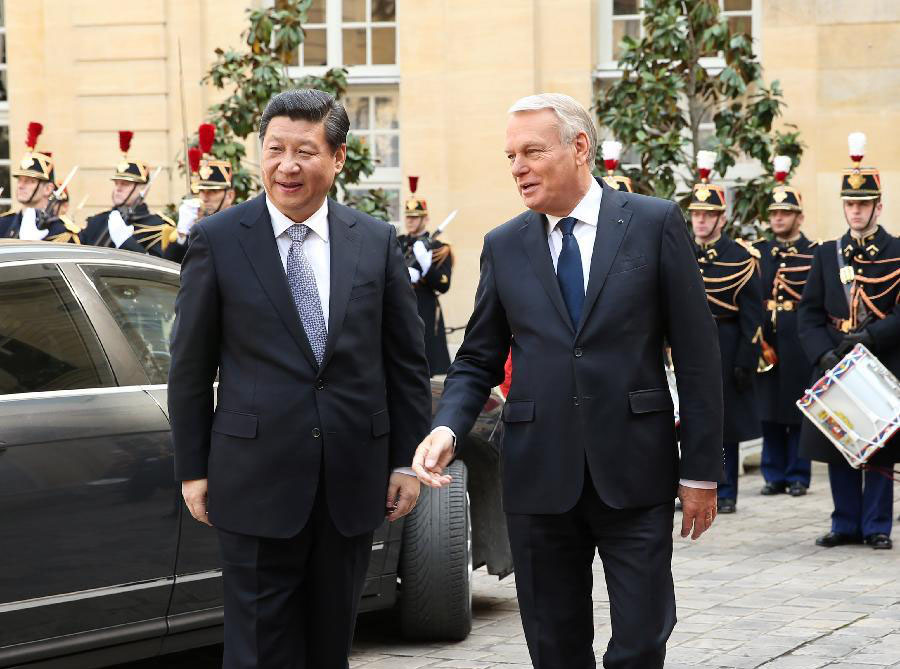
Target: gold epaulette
71	226
816	242
163	234
752	250
8	213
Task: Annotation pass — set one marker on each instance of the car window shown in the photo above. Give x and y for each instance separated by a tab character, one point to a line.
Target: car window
143	304
46	341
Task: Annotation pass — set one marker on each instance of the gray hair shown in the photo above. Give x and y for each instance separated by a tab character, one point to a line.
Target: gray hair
573	118
309	104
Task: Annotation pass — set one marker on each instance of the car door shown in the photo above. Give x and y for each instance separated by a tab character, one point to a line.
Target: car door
88	513
141	301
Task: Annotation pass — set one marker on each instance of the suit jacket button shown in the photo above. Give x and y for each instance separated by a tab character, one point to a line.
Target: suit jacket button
316	433
320	384
578	352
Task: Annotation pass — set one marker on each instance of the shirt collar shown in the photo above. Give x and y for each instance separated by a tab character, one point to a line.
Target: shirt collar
318	222
586	211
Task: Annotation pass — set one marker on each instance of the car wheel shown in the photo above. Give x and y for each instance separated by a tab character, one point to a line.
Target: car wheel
436	563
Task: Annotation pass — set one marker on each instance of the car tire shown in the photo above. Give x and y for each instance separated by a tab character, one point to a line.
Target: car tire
436	563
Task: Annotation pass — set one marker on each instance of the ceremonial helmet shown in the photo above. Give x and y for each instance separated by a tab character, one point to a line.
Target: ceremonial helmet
129	170
214	174
859	183
611	150
706	196
784	197
414	206
37	164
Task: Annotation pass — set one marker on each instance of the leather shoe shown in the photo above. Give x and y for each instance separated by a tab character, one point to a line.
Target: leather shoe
726	505
833	539
882	541
797	489
772	489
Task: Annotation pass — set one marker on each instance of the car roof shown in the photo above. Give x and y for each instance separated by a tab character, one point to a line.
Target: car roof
16	251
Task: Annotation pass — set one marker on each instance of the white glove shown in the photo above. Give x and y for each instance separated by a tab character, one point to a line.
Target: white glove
187	216
414	274
29	229
423	256
118	231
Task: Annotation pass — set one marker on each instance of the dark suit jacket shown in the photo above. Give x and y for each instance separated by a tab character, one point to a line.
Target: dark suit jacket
598	392
278	414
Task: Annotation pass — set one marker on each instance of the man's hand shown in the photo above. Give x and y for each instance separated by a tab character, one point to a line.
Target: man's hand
698	510
851	339
828	360
194	493
432	456
403	493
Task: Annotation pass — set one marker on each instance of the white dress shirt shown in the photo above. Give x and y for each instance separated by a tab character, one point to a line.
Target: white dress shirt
587	212
315	246
317	251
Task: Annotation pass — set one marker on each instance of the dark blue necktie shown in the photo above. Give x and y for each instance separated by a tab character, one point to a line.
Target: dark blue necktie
569	272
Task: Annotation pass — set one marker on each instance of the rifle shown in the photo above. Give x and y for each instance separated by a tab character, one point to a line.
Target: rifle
127	211
51	212
428	239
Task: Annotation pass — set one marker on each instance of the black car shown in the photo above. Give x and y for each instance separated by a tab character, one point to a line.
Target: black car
100	562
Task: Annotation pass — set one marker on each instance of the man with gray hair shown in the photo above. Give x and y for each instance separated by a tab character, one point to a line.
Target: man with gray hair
586	287
319	410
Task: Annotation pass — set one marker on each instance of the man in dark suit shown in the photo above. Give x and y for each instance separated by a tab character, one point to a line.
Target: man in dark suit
585	288
305	309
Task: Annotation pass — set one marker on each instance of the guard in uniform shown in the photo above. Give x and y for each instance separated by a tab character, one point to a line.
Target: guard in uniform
784	370
130	224
731	278
853	296
211	181
430	263
40	217
611	150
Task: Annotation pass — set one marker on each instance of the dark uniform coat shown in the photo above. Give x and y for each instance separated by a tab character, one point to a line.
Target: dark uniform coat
152	233
825	307
784	267
427	289
61	229
733	291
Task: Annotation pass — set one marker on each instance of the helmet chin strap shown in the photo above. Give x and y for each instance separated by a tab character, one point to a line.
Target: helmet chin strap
124	202
871	215
33	193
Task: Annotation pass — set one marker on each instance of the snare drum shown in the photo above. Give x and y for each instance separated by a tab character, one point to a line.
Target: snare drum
856	405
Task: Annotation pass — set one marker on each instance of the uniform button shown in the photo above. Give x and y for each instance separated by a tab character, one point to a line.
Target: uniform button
578	352
316	433
781	297
320	384
784	264
859	270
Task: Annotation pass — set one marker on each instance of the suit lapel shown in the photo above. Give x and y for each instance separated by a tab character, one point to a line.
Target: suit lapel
534	239
344	243
612	224
258	241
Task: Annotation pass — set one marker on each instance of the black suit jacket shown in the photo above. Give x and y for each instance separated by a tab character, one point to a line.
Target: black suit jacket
278	415
598	392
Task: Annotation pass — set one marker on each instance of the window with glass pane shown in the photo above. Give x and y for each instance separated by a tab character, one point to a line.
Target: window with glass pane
143	304
626	22
46	342
368	32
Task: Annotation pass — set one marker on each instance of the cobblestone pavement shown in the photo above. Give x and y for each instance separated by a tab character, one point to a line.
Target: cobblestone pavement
755	592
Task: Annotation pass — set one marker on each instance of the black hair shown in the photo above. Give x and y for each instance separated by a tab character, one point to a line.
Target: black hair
309	104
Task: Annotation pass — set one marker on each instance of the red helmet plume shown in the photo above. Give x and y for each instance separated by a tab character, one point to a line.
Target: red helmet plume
194	156
125	140
34	131
413	184
207	134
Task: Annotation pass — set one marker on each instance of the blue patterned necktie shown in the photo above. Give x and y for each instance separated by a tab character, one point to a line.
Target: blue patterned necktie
569	272
302	281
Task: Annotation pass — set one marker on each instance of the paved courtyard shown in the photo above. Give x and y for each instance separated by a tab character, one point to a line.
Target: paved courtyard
754	592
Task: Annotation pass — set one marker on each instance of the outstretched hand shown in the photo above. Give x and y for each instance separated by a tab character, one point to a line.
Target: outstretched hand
698	510
432	457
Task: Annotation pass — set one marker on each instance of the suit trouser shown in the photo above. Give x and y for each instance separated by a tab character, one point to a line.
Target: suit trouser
729	489
292	603
863	501
781	462
553	554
